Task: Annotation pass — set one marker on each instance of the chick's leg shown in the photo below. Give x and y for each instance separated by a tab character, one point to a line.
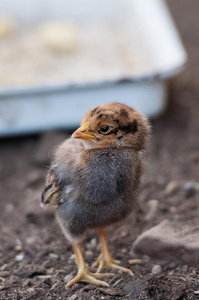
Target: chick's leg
83	274
105	261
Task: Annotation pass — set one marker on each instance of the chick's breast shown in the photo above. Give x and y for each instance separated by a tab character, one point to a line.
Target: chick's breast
99	186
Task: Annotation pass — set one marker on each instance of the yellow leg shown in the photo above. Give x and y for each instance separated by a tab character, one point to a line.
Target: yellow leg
105	261
83	274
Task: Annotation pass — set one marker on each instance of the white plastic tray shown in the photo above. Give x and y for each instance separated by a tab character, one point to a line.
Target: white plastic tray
43	108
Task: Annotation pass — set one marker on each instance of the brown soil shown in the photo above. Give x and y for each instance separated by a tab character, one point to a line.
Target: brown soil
48	260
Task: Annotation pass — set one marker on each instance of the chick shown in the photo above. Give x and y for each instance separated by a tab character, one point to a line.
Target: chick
94	180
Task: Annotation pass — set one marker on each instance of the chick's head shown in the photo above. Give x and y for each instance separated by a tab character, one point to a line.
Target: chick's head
114	125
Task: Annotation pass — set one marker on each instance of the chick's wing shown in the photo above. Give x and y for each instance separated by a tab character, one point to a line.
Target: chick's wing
59	179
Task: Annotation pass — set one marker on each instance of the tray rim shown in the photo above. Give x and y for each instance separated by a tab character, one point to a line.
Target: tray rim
46	89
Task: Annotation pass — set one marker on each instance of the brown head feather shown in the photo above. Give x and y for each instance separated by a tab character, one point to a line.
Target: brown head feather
127	127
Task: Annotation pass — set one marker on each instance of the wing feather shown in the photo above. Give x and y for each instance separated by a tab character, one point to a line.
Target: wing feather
59	188
51	192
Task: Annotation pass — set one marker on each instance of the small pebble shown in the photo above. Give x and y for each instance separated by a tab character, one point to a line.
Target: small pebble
157	269
4	274
171	187
44	277
153	206
153	203
18	248
89	253
124	250
93	241
196	292
123	234
53	286
3	267
172	265
190	189
191	185
182	278
172	209
18	242
92	244
19	257
50	270
53	255
31	240
68	278
72	256
170	273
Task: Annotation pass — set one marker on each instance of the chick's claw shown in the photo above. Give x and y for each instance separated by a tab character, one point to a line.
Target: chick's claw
86	276
107	262
104	262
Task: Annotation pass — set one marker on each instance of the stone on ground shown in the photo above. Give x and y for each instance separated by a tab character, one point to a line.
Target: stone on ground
170	241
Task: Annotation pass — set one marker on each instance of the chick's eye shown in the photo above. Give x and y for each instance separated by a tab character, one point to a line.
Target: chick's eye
105	129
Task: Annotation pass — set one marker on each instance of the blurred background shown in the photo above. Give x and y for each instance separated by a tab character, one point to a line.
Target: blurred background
53	67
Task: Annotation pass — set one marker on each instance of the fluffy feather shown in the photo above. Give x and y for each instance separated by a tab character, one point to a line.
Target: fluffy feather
94	177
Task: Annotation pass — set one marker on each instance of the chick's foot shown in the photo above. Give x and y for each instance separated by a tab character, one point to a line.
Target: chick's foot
105	261
83	274
86	276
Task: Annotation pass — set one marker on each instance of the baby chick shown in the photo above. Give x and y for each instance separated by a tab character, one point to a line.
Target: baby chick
94	179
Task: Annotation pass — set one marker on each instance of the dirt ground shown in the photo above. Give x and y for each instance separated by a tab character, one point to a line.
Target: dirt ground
36	260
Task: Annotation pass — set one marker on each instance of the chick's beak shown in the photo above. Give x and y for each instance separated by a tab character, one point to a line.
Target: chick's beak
80	133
